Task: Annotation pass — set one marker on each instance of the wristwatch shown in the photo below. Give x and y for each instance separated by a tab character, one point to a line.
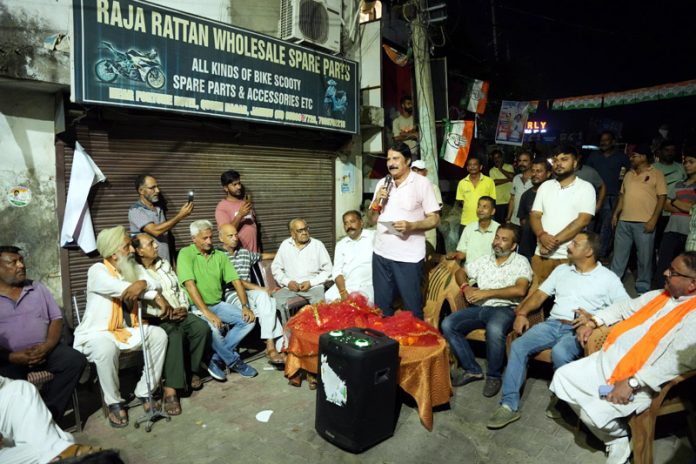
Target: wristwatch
633	383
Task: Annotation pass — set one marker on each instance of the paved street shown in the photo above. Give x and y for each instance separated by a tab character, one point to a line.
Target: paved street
219	424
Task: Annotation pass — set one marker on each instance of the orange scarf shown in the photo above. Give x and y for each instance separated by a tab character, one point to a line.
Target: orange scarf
116	323
639	354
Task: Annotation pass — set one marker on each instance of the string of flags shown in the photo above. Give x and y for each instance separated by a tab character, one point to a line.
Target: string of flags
475	97
627	97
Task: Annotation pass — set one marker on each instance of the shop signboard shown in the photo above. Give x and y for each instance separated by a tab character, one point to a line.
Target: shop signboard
137	54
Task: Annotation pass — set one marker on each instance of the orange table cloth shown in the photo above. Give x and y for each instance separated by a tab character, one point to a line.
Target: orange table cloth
423	370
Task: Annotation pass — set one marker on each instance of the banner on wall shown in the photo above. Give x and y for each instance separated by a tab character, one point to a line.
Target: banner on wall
512	121
137	54
457	142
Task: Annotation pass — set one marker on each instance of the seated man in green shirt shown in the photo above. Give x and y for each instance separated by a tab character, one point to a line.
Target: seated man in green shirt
477	238
203	271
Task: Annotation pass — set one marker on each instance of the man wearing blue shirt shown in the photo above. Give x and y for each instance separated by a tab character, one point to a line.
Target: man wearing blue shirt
611	166
582	284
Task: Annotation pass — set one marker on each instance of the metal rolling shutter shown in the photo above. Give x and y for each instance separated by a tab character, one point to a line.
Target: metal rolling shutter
284	183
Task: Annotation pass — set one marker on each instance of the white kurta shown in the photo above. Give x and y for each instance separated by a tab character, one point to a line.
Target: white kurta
30	436
578	382
93	339
264	308
353	260
311	263
101	288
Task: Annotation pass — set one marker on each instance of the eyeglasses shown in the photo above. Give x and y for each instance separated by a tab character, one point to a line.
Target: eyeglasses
672	273
302	231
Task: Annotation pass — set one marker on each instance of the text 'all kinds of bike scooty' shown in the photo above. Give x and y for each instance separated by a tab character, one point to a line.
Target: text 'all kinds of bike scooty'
133	64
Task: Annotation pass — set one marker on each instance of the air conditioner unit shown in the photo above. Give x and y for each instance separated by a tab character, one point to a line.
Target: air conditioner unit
312	22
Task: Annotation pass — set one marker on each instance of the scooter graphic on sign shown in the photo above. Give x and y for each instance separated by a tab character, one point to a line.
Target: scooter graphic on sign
335	101
133	64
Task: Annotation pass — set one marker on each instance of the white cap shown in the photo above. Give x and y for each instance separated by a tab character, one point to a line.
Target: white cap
418	164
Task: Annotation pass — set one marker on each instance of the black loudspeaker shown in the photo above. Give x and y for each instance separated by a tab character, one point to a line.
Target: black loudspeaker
356	394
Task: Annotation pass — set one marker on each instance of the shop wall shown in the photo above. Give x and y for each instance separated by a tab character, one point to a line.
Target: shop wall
35	45
349	183
28	160
33	40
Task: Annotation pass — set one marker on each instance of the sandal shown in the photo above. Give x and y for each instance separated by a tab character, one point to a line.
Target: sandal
295	380
275	358
116	419
76	450
148	403
172	405
196	382
312	381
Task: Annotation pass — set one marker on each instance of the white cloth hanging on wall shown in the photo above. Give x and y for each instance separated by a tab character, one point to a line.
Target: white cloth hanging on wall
77	221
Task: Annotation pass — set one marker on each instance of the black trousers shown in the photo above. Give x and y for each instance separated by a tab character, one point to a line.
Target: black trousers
389	276
66	365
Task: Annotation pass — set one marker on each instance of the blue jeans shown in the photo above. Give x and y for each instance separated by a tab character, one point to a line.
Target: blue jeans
603	224
548	334
389	276
225	344
628	233
496	320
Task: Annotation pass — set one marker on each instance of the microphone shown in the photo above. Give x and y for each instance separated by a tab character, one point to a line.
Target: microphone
380	203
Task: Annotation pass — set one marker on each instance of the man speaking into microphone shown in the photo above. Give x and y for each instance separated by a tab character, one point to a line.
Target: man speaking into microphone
404	207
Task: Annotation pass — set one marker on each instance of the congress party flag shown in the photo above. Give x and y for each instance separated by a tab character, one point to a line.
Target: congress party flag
478	96
457	142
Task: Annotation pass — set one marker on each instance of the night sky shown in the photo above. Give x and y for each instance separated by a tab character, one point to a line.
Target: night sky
561	48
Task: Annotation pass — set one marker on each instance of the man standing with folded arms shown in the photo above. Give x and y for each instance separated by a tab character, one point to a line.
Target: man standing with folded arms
562	207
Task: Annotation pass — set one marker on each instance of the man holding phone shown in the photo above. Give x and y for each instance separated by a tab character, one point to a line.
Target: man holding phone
652	340
236	209
145	215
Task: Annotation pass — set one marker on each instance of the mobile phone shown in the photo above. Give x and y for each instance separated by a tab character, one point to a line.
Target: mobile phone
190	196
604	390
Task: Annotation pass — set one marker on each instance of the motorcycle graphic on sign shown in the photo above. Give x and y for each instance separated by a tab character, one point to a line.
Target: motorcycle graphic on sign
133	65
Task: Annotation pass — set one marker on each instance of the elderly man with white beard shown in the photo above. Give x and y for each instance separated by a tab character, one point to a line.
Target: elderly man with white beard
106	329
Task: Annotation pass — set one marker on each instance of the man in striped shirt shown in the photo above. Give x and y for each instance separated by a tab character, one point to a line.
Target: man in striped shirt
260	298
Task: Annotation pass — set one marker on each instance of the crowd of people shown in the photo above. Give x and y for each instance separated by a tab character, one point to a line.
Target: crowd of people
553	227
539	230
191	312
